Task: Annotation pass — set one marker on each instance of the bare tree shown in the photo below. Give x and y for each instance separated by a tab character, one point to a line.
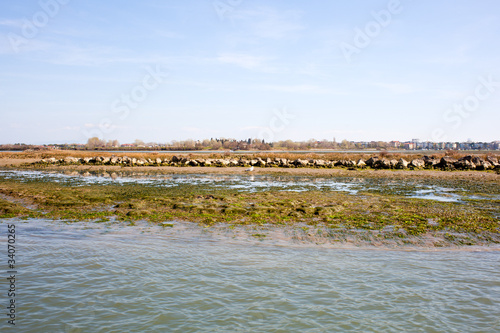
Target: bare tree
95	142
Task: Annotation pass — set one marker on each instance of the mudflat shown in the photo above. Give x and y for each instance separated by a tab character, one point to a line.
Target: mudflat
369	217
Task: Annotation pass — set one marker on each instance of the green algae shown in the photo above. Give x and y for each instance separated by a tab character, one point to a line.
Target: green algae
385	215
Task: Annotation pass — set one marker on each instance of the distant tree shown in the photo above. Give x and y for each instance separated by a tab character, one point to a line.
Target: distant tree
112	144
215	144
94	143
188	144
138	143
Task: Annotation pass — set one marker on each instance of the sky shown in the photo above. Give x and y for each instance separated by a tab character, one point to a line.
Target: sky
275	70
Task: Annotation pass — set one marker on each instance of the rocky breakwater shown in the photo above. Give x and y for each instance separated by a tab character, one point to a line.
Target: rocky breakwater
445	163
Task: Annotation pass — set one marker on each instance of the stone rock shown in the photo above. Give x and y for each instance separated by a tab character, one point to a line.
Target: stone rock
283	162
71	160
493	161
319	163
300	163
479	163
417	163
382	164
466	158
221	162
463	164
430	162
350	163
402	164
447	162
371	161
260	162
361	163
393	163
482	164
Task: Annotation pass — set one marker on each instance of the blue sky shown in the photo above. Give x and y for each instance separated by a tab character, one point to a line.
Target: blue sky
356	70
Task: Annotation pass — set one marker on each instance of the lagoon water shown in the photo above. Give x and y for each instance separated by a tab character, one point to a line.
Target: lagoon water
84	277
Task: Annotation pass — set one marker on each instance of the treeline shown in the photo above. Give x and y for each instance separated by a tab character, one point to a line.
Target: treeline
229	144
216	144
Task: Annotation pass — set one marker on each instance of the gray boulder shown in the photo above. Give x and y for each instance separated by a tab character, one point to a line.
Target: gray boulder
447	162
371	161
493	161
463	164
402	164
382	164
361	163
417	163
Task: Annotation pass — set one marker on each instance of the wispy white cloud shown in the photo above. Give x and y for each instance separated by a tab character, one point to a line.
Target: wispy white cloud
168	34
303	89
242	60
398	88
270	23
13	43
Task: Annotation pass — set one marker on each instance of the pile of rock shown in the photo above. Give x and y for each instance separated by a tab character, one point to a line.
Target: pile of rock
445	163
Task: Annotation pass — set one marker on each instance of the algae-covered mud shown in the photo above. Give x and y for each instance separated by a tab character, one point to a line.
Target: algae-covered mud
380	211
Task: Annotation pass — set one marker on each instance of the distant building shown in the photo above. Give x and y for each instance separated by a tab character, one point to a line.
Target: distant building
409	145
395	144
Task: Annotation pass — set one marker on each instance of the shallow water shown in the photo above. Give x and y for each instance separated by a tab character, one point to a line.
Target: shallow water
450	191
85	277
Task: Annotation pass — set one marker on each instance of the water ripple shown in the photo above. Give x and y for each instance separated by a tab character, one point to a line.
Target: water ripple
84	278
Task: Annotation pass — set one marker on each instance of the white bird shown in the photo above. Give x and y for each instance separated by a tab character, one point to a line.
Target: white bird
250	169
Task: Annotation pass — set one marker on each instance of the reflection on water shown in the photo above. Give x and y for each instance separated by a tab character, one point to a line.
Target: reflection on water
110	278
423	189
